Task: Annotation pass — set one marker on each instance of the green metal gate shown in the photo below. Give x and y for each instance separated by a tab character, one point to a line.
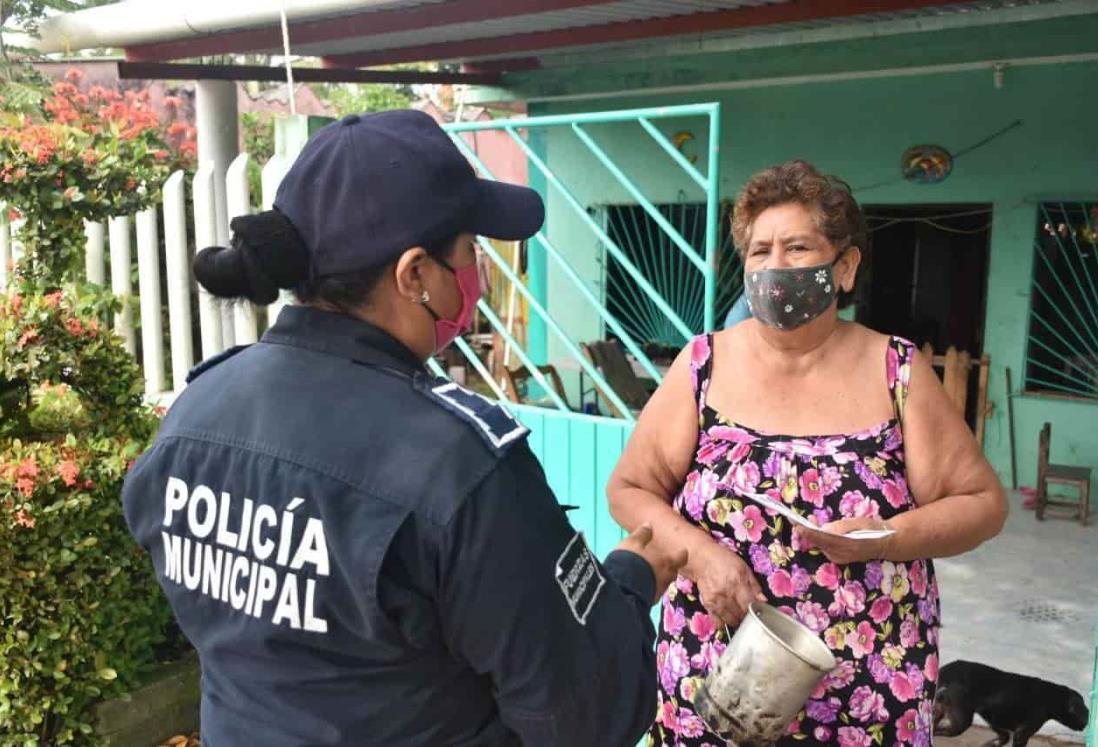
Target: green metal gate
578	451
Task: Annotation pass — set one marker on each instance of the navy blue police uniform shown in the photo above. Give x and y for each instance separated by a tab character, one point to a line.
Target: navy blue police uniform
363	554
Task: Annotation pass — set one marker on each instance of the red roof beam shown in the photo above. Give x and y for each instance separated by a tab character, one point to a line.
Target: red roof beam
694	23
351	26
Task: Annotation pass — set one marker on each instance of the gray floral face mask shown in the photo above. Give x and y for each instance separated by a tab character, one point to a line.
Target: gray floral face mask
787	297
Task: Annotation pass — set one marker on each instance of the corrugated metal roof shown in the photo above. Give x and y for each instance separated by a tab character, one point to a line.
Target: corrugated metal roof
976	12
556	20
474	30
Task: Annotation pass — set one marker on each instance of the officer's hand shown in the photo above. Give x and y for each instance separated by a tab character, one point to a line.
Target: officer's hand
664	565
726	584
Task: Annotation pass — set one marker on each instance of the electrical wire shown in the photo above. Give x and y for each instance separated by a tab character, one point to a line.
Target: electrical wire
964	151
932	220
961	214
286	59
939	226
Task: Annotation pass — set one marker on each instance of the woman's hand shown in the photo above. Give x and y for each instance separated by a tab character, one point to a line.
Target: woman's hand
726	585
845	550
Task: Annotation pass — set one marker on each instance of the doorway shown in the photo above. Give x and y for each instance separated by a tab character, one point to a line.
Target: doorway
925	275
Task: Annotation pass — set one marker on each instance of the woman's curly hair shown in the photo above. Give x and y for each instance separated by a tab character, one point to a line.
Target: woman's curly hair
837	214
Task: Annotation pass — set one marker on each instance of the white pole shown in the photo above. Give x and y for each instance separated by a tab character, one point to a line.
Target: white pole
121	285
148	276
218	144
205	234
245	326
95	269
270	178
179	279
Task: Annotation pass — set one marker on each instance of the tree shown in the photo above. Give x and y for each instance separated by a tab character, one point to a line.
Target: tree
23	86
355	98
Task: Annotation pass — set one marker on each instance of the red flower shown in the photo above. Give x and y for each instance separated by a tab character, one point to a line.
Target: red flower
23	519
74	327
74	75
29	335
160	155
13	213
68	470
53	300
64	89
173	101
177	128
27	468
25	485
16	302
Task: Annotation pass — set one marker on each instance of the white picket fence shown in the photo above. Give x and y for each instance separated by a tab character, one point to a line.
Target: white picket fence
222	325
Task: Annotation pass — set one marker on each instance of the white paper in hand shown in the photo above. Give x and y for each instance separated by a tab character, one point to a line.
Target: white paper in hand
783	510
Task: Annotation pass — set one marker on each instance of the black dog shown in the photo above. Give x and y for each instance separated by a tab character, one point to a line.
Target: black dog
1013	705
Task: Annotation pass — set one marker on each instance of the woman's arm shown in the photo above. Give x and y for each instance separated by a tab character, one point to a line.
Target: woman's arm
651	472
959	500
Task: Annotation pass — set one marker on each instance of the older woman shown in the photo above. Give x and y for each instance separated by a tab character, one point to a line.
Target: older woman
849	428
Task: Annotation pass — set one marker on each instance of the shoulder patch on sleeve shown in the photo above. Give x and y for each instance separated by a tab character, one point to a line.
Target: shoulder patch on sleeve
579	578
212	361
491	421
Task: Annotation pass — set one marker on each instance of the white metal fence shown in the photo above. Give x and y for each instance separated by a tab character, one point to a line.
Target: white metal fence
167	324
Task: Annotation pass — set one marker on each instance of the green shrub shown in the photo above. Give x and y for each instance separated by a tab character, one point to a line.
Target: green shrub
81	614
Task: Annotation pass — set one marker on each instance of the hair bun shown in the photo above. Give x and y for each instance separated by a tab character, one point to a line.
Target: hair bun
266	254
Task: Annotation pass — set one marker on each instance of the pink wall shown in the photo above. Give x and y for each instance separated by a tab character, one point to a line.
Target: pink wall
495	148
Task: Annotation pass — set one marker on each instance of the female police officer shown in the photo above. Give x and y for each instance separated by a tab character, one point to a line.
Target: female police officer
362	554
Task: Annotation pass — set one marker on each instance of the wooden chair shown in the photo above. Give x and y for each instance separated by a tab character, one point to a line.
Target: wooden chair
517	384
609	358
1060	474
515	381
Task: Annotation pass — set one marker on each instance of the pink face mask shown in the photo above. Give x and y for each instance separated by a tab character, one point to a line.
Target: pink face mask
469	284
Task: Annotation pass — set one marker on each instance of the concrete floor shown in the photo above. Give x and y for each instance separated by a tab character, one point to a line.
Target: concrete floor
1025	602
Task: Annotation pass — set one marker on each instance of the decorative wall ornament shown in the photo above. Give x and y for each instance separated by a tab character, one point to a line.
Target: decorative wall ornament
926	164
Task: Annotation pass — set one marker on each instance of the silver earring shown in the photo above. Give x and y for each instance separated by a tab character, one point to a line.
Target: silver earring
424	297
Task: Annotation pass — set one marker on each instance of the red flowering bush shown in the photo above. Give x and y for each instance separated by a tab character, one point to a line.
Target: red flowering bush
86	156
81	614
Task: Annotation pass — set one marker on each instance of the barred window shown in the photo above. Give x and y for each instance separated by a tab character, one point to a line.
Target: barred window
1062	351
668	270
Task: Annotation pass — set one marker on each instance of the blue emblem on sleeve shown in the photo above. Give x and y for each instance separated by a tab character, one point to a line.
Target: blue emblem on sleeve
494	424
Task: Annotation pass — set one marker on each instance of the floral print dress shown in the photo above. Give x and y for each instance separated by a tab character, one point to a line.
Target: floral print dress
879	619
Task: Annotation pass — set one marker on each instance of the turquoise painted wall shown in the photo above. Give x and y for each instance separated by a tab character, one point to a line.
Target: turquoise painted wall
858	129
578	453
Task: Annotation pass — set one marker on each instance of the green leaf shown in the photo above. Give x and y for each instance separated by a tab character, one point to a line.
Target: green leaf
107	674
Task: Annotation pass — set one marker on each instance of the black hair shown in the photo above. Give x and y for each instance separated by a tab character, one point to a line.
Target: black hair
267	254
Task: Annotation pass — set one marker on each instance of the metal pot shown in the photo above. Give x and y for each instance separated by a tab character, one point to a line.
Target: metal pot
763	678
